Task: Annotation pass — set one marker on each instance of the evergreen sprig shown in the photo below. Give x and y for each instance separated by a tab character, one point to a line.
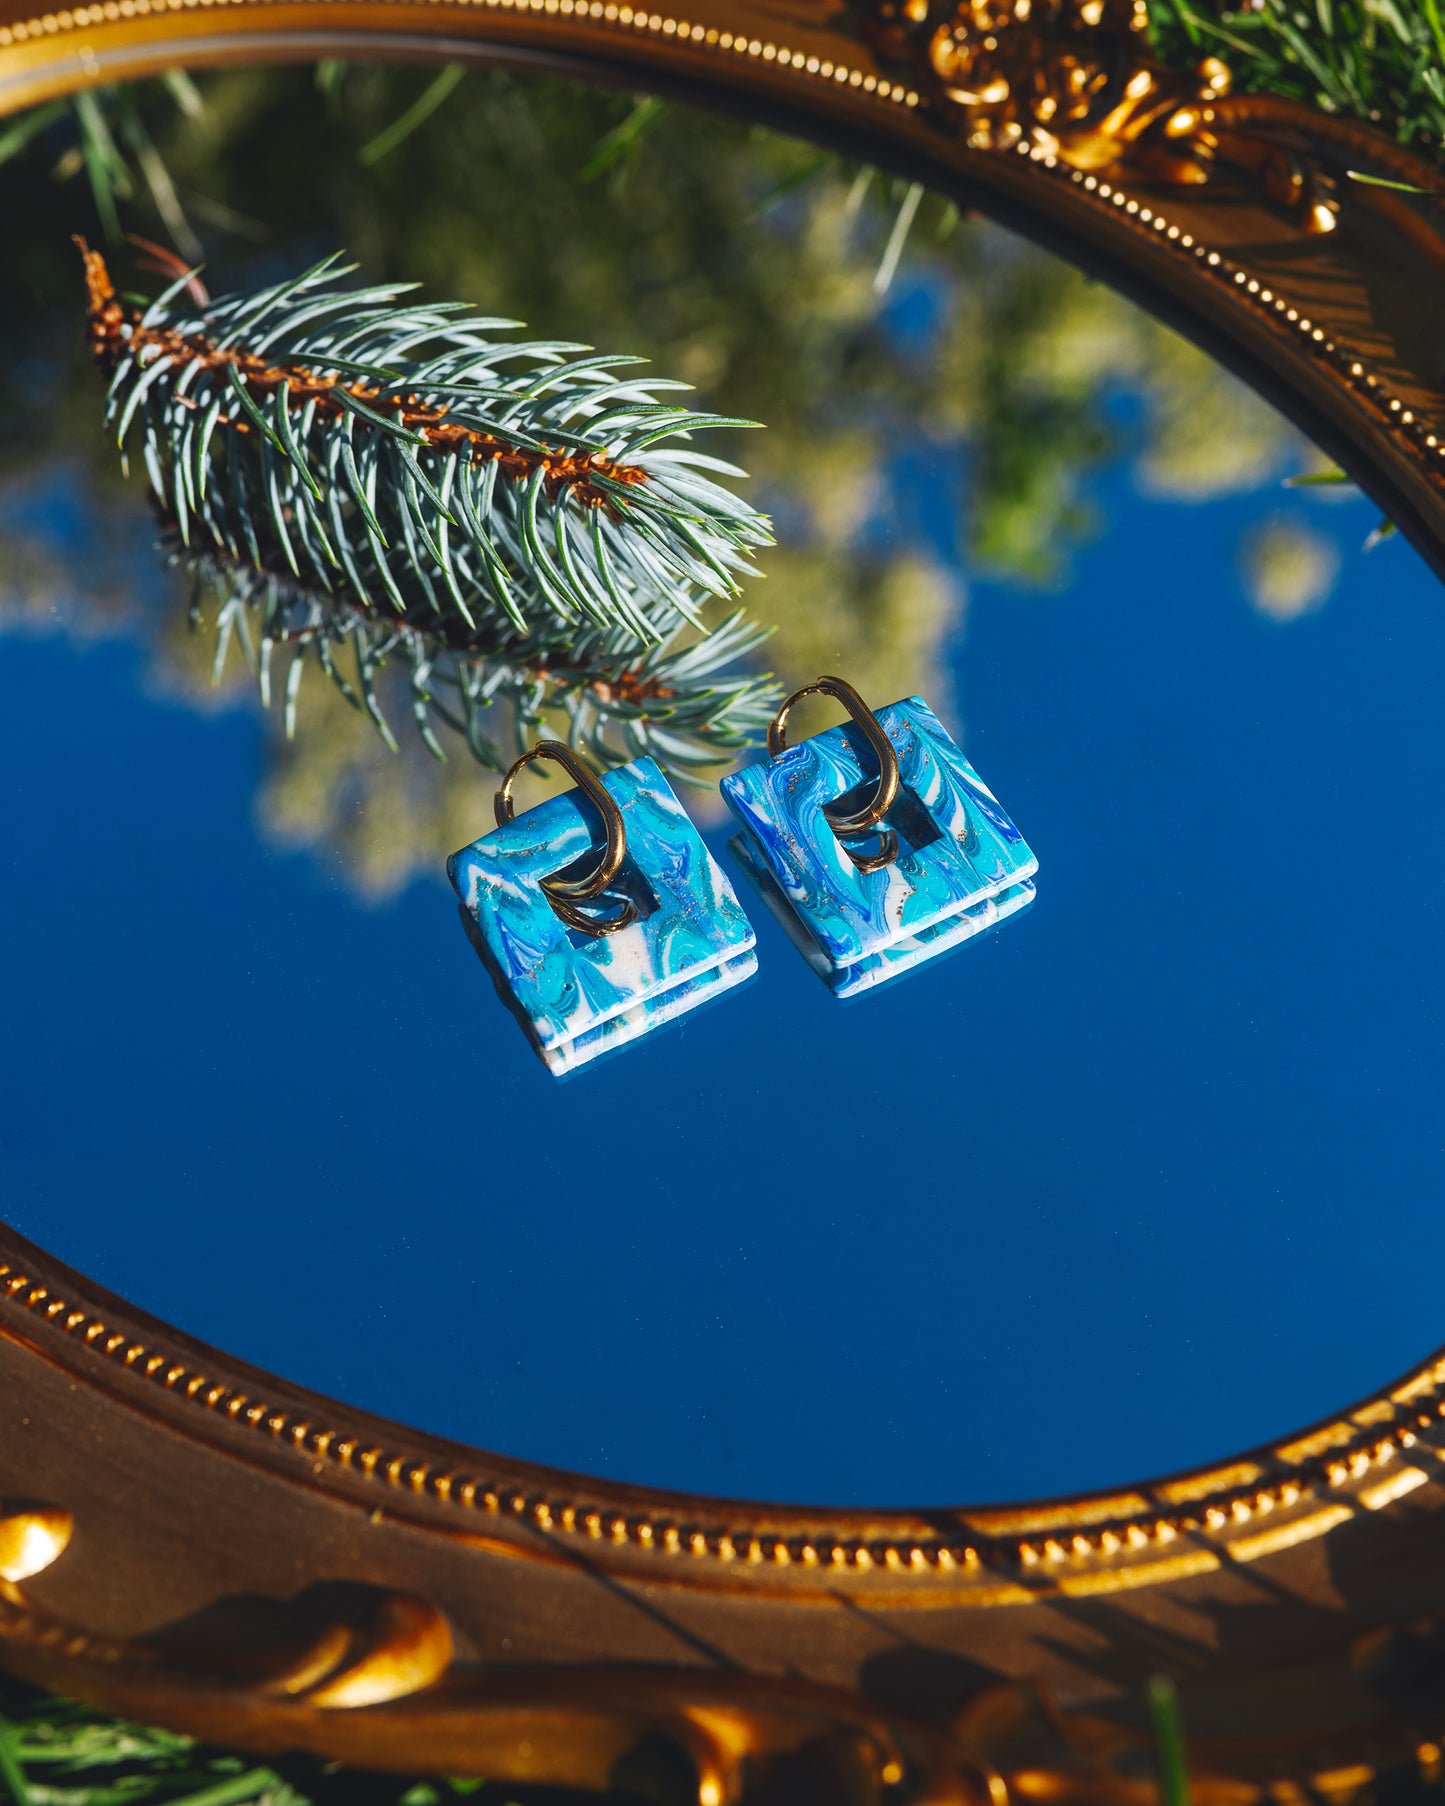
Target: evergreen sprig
1377	60
511	520
674	701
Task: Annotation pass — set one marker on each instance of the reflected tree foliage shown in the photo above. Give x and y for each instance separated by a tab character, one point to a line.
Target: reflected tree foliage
948	422
1288	568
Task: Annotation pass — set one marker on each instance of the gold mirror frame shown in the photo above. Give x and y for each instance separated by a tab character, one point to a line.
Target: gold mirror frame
197	1544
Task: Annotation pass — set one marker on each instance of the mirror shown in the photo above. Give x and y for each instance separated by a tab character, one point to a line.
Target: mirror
1098	1195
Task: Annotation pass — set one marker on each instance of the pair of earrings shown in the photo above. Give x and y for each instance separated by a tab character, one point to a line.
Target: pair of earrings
875	844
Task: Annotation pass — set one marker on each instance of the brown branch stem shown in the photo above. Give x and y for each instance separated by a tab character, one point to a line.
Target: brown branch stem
626	685
113	327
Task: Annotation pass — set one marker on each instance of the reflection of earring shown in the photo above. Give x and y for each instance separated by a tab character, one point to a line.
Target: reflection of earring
875	844
591	949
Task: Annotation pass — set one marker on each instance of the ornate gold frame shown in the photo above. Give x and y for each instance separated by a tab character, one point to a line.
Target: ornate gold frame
201	1545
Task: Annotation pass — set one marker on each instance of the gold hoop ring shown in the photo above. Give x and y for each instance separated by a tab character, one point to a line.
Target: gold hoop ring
889	780
565	893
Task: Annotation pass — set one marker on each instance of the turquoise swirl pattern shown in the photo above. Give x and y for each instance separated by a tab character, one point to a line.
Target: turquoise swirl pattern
877	968
962	865
579	996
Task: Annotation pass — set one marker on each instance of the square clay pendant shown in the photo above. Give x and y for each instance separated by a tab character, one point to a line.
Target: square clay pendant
580	995
961	867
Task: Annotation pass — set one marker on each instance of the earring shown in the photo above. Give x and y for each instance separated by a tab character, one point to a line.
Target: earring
591	949
875	844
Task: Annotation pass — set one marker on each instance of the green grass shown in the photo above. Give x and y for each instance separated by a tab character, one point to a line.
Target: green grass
1169	1753
1378	60
54	1752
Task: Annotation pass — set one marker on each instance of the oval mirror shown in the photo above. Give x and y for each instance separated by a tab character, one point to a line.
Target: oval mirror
1090	1197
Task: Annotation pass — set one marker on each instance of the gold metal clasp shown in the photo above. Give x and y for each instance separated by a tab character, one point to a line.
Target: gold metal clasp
565	894
885	795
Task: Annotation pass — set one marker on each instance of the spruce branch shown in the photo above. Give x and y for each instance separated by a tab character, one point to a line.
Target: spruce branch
401	455
674	700
346	471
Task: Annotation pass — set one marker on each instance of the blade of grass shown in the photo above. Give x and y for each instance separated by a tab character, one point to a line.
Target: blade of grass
235	1790
184	92
858	191
1432	19
158	181
104	164
612	146
28	126
1168	1726
11	1774
420	110
1358	175
897	238
790	184
330	80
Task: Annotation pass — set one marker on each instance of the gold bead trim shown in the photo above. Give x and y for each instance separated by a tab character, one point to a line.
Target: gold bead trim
628	19
1042	1561
20	1625
600	12
497	1498
1034	1558
1314	337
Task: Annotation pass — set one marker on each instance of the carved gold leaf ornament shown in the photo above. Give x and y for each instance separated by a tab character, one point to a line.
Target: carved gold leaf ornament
409	1648
1073	80
32	1536
1057	99
1119	1543
568	1726
1067	74
394	1645
401	1645
352	1649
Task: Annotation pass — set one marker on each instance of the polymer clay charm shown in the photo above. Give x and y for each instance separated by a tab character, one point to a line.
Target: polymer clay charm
876	844
592	949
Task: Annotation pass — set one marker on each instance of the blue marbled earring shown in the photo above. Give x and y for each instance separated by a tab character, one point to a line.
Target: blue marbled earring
592	950
876	844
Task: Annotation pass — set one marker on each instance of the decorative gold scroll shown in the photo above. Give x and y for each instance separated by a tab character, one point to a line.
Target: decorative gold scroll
238	1557
1074	79
284	1573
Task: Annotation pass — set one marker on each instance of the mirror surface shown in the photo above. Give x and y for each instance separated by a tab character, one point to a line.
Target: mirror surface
1141	1177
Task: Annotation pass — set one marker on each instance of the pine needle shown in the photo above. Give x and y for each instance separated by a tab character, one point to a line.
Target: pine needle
527	521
